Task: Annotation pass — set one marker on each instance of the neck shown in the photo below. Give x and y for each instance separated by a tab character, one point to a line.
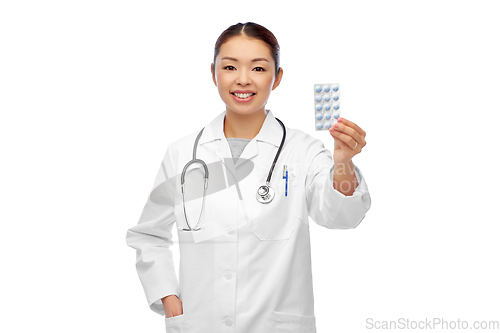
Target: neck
243	126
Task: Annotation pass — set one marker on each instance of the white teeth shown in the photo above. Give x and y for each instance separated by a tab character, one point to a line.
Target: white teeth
243	95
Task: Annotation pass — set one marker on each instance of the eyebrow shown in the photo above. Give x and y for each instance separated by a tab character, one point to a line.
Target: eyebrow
253	60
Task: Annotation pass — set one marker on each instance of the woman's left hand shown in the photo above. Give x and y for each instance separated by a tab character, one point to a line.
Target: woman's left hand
349	140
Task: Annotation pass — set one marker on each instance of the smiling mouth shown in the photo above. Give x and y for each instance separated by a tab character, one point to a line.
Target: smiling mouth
245	95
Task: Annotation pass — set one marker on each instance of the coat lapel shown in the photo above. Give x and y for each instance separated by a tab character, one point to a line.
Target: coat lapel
270	133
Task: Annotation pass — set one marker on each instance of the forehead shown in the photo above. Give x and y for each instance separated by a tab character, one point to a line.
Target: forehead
245	48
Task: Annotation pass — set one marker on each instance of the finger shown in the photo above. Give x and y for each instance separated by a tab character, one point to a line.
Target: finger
342	144
342	128
353	125
347	140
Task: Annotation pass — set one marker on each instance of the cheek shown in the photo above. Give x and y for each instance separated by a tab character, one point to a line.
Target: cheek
222	83
268	82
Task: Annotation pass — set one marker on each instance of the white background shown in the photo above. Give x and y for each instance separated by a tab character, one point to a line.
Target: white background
92	92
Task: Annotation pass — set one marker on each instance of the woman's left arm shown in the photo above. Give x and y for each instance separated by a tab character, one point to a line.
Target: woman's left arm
349	141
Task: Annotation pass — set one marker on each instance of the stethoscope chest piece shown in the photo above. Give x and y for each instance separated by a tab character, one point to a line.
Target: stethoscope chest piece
265	194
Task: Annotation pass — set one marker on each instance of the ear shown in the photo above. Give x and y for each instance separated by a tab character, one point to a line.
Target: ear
278	78
212	69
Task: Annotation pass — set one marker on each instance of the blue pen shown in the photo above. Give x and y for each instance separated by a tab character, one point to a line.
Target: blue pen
285	176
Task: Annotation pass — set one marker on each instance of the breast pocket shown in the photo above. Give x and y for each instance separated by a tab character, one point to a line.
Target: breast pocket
278	219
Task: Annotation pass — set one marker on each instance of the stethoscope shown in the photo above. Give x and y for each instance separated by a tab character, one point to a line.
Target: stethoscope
265	193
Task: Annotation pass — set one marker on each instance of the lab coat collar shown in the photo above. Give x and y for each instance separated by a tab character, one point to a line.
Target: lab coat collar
271	132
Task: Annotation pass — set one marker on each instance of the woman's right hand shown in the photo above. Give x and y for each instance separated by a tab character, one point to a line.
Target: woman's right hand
172	306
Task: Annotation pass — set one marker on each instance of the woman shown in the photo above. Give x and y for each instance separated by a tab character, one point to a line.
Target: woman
248	267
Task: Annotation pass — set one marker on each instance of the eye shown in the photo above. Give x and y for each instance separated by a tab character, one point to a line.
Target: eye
262	69
229	67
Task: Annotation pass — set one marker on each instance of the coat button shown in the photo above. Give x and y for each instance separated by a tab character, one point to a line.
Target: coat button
229	322
228	275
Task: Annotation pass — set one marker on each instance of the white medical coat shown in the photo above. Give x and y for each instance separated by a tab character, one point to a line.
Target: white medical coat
248	270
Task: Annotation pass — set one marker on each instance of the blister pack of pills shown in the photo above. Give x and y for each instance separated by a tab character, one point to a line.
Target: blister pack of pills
326	105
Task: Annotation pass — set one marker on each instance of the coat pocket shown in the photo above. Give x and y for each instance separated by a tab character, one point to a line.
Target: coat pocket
291	323
175	324
277	220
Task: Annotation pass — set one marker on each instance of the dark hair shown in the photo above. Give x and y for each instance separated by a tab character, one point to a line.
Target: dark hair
252	30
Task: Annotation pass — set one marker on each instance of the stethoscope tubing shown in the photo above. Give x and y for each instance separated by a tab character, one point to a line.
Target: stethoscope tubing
265	193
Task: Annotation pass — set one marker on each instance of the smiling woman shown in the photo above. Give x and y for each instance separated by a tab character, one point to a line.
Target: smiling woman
245	71
248	265
245	78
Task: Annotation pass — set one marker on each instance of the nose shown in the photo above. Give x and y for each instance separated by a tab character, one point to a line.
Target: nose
243	78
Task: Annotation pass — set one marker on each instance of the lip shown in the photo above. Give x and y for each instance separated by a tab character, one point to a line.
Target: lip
243	91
